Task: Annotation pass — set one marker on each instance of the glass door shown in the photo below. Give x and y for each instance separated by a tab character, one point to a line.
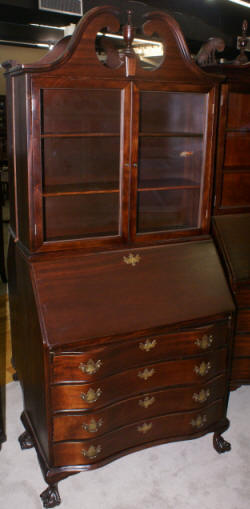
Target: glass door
170	171
82	159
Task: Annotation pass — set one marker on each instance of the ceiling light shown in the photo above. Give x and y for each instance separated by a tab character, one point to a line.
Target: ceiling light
241	2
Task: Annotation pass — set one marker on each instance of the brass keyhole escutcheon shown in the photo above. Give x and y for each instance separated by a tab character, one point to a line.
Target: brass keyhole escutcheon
147	373
148	345
145	428
146	402
131	259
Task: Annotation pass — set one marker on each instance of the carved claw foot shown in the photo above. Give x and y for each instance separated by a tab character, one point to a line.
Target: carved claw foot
220	444
26	440
50	496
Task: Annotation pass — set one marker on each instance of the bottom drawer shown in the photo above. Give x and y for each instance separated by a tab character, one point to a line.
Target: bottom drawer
170	427
241	370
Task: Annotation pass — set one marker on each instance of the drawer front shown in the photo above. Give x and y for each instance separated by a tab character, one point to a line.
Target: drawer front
138	380
243	320
106	360
242	345
88	425
168	427
241	370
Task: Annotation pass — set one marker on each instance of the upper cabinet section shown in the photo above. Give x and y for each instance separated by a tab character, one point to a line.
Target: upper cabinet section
232	189
108	150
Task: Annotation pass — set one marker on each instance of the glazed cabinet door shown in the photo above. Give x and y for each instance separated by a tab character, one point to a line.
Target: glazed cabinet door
232	193
171	161
80	161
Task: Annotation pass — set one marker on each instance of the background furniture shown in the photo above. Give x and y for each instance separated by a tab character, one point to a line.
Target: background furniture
232	198
231	234
120	312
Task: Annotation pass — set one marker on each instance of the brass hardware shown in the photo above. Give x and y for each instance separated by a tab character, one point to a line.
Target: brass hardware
92	452
146	402
203	369
135	165
92	426
91	396
147	373
199	421
202	396
205	342
145	427
91	367
148	345
131	259
186	153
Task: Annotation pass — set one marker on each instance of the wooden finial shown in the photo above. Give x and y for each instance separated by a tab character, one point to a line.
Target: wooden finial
129	54
242	58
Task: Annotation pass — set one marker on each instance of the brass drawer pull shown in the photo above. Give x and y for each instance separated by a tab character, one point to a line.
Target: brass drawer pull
92	426
91	367
91	396
145	427
199	421
205	342
203	369
148	345
147	373
202	396
131	259
146	402
92	452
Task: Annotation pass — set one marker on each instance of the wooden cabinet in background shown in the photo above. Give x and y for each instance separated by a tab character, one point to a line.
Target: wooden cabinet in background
232	182
121	316
232	234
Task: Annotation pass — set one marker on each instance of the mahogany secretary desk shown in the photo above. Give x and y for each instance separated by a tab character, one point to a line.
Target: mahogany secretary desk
231	221
121	315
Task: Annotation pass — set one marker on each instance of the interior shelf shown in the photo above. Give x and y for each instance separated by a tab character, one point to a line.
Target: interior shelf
78	189
172	134
167	184
79	135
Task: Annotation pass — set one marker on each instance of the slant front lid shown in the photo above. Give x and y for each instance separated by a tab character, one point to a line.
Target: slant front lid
97	295
233	237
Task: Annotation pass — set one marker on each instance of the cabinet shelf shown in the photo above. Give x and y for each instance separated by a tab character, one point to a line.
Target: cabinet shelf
79	135
167	184
237	130
172	134
79	189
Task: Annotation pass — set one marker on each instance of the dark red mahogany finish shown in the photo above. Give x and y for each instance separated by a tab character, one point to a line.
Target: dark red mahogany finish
232	178
232	234
120	312
232	199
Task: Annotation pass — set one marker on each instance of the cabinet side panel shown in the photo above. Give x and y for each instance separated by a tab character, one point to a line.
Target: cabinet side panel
11	153
28	350
20	133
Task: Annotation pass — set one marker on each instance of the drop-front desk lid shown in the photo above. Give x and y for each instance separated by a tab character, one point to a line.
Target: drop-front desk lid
85	296
232	233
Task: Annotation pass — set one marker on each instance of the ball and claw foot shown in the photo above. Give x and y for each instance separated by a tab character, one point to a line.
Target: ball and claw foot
220	444
50	496
26	440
